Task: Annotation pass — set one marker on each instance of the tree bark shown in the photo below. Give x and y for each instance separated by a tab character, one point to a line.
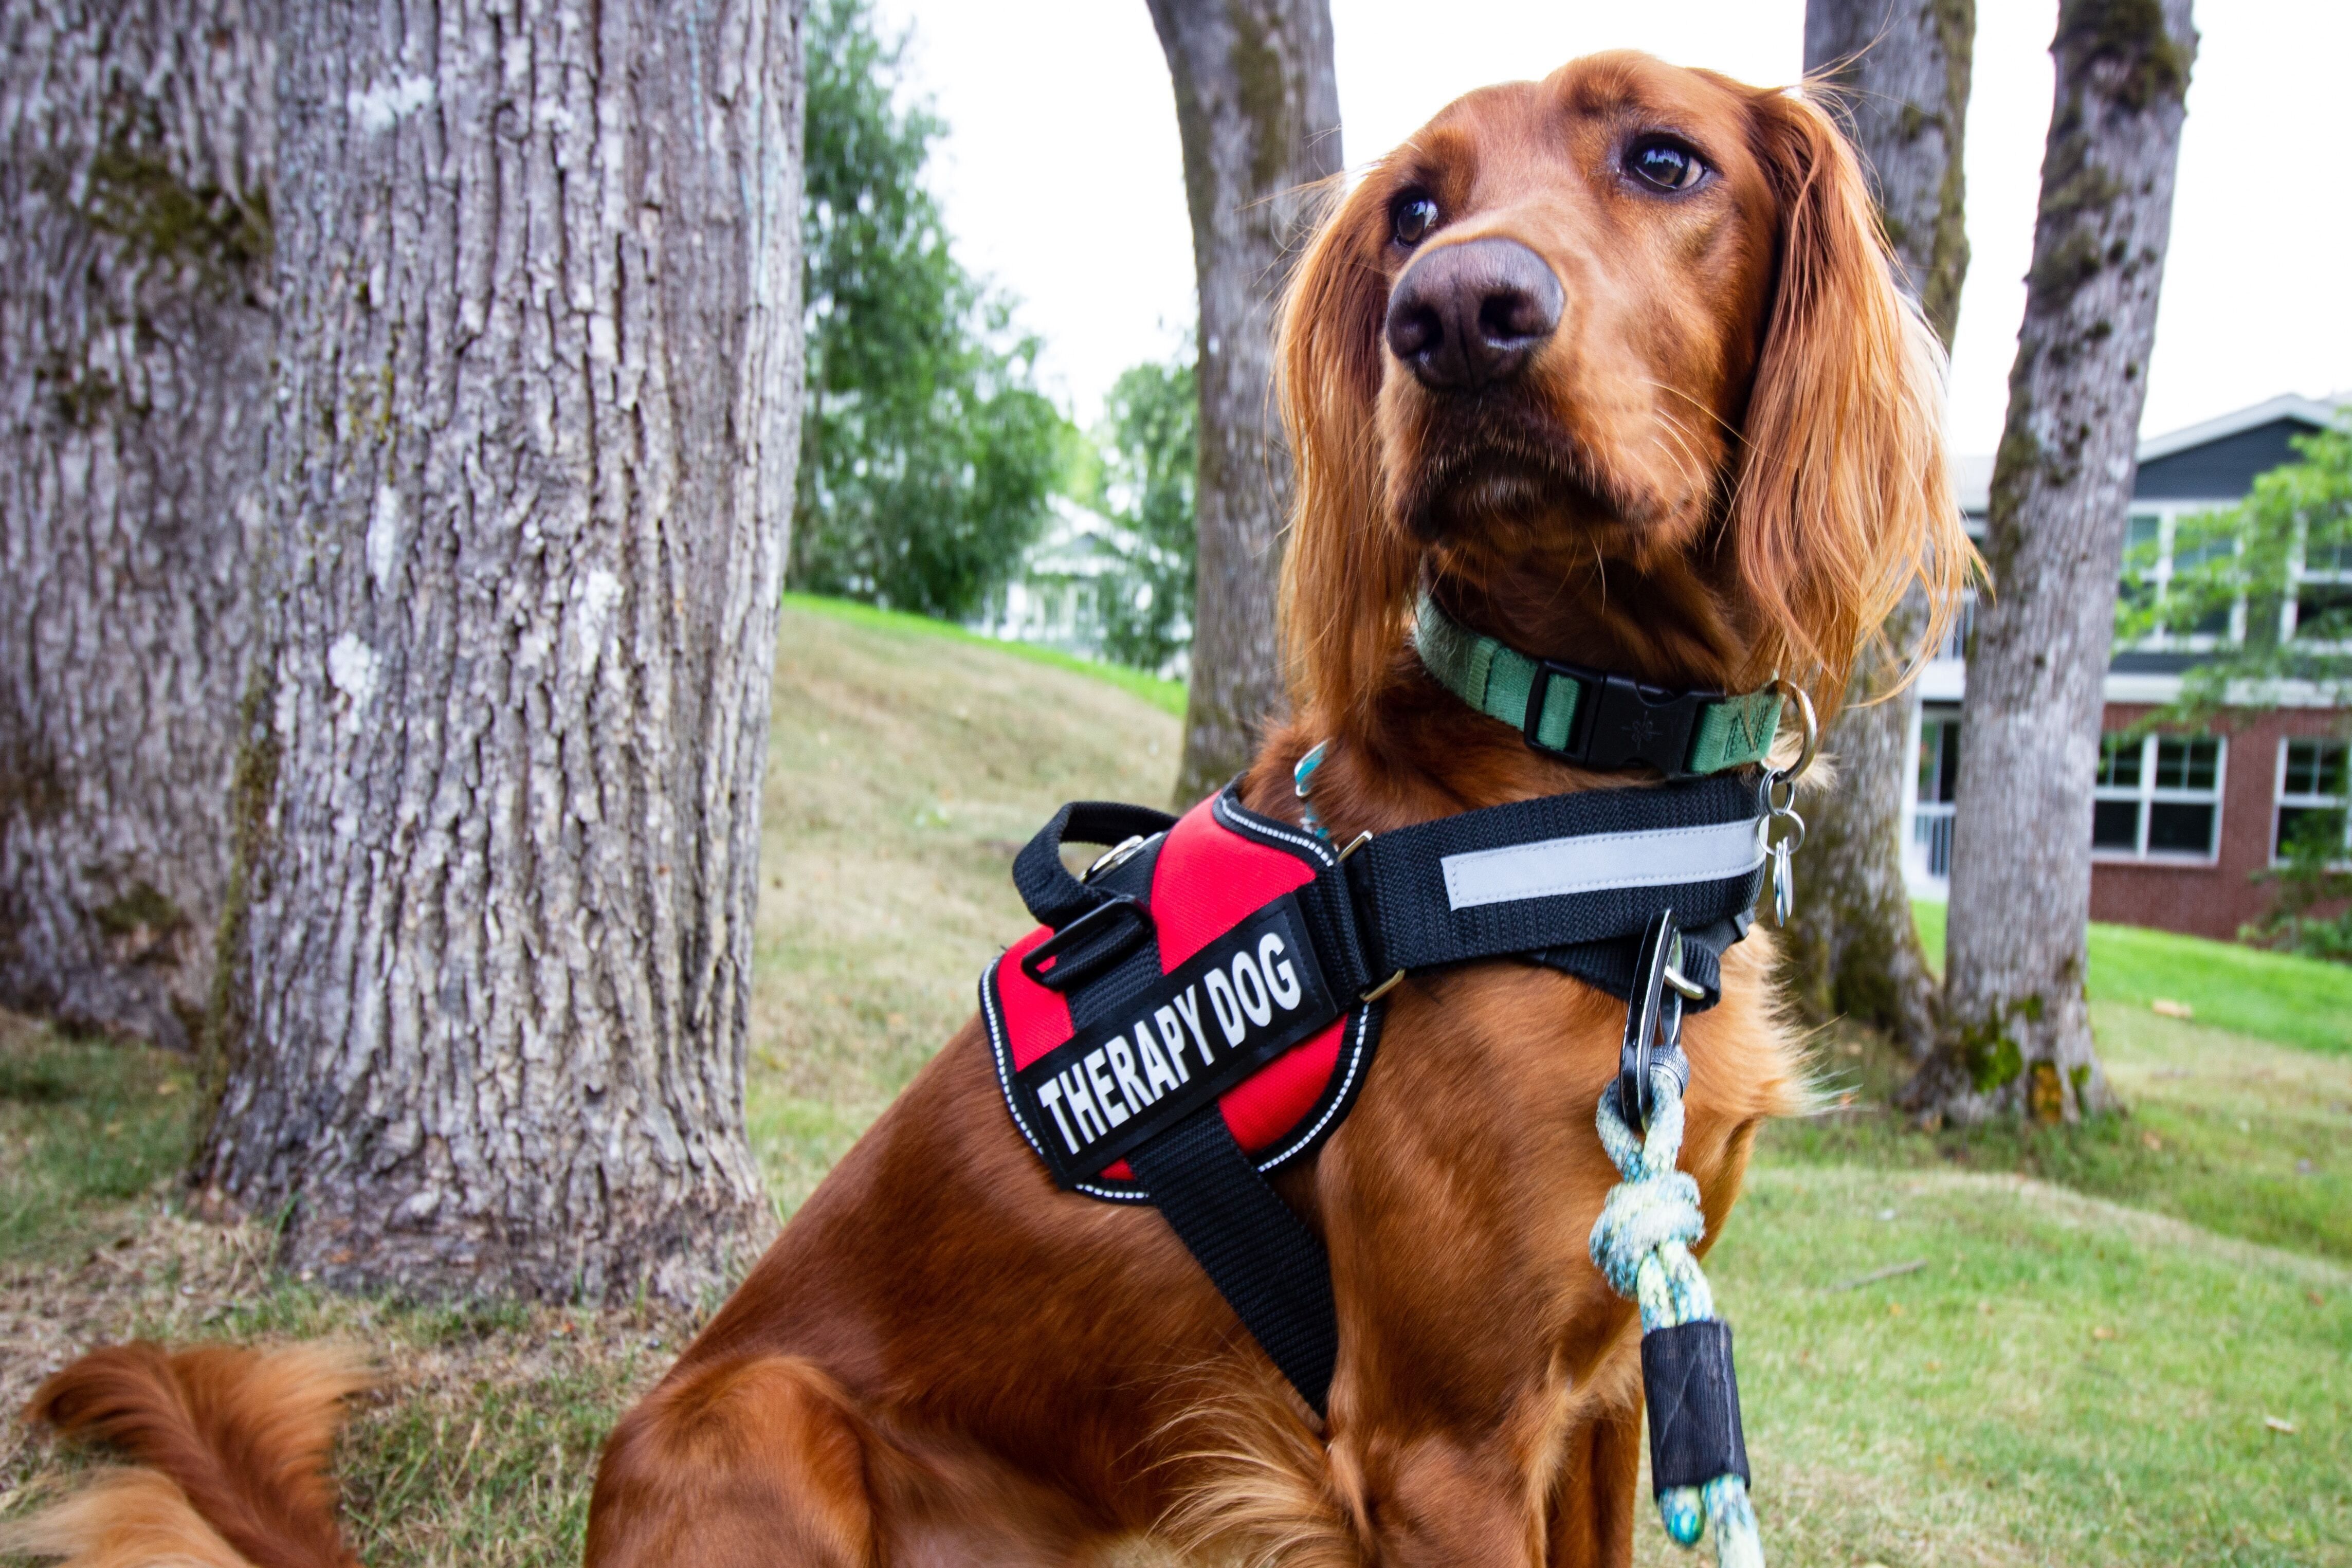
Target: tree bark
498	807
1257	104
2017	1035
135	359
1852	948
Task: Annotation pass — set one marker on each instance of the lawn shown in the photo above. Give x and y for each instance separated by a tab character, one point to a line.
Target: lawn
2270	996
2082	1368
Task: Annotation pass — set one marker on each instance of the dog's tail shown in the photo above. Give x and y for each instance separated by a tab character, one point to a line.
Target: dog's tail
233	1449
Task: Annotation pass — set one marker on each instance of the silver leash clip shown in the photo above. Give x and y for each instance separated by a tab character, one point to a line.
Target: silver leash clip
1653	1019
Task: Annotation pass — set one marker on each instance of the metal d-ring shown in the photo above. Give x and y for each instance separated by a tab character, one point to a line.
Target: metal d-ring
1789	690
1116	855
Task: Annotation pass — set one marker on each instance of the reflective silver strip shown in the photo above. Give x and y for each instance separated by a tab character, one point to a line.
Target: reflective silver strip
1656	858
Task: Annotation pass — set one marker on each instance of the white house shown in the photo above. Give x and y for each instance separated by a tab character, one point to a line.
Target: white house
1051	598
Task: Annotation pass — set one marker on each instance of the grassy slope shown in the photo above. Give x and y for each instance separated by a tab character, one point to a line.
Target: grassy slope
906	764
1967	1413
2270	996
1168	696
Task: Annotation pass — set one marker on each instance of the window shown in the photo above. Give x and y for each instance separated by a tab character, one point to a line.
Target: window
2322	603
1964	627
1938	786
2312	783
2160	543
2157	796
1939	758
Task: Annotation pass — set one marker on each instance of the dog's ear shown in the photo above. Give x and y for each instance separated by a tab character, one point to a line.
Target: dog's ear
1844	499
1348	570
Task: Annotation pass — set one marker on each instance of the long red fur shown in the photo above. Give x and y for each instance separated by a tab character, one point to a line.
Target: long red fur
240	1436
943	1358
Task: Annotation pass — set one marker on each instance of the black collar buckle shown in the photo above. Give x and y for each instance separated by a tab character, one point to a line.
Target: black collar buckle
1619	721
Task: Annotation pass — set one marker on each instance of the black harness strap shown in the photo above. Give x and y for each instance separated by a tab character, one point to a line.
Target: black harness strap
1270	1268
1054	896
1260	1255
1414	920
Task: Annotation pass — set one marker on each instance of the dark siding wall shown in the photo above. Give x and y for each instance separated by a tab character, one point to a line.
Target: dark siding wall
2220	470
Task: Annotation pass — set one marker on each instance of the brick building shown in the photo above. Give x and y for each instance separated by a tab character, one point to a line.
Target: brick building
2182	823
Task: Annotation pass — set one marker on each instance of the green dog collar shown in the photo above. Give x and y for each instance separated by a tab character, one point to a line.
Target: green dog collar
1591	717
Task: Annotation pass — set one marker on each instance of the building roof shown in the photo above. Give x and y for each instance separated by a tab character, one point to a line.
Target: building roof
2288	405
1972	471
1078	541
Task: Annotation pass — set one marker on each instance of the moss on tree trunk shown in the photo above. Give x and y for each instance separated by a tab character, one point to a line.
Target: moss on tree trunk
135	337
1257	108
1901	70
2017	1037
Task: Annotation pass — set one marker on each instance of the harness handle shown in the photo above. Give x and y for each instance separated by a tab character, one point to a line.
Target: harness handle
1055	897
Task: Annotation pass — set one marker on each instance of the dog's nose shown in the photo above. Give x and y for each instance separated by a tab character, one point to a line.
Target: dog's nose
1468	314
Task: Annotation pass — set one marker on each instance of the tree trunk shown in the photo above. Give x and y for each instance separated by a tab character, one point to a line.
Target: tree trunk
497	810
134	358
1853	949
2017	1034
1257	103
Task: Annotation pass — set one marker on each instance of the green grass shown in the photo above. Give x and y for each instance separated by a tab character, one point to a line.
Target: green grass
1168	696
907	762
85	1125
2303	1002
2060	1381
2078	1372
2244	1137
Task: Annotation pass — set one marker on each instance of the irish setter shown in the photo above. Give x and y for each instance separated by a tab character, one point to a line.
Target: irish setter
1653	405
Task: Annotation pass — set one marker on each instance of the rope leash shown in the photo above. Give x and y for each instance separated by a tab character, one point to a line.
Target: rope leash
1641	1245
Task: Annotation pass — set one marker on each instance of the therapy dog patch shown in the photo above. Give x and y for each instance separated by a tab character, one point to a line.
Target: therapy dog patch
1236	1010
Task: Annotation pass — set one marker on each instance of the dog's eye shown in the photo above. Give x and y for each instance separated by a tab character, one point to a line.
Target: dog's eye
1666	165
1415	216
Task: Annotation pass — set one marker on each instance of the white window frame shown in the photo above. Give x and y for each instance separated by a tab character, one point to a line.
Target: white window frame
2169	517
2148	795
2290	610
2281	800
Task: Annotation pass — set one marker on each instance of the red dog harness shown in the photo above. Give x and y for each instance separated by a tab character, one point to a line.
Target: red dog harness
1203	1005
1250	1026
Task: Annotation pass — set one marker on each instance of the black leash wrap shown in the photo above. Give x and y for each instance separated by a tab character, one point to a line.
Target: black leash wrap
1694	1401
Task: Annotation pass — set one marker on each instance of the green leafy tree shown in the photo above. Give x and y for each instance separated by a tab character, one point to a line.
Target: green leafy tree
1149	447
927	452
2282	560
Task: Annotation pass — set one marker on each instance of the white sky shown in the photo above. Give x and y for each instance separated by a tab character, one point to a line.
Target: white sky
1062	181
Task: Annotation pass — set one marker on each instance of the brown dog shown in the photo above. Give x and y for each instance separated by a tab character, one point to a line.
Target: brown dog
1613	365
1614	361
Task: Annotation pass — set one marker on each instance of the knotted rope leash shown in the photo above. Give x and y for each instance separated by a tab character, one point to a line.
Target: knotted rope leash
1641	1245
1650	1221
